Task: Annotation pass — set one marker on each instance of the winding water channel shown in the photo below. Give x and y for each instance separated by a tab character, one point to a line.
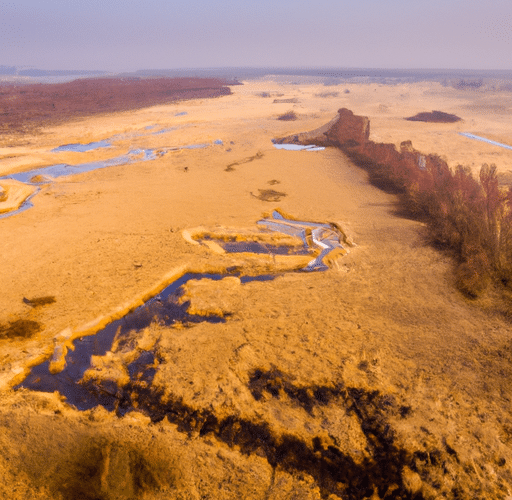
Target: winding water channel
166	308
43	175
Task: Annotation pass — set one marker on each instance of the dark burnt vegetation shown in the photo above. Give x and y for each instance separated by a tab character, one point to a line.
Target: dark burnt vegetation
333	469
277	384
20	329
269	195
231	166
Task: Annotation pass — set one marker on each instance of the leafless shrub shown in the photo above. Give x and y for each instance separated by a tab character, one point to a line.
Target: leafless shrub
289	116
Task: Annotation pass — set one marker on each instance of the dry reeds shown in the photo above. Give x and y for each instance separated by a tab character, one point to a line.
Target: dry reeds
471	218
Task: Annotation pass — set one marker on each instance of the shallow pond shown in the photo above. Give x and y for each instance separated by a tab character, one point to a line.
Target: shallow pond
322	236
299	147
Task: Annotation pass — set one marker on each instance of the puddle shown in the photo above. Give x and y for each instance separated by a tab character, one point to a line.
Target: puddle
234	245
483	139
82	148
183	113
63	169
262	248
299	147
164	131
194	146
261	277
315	235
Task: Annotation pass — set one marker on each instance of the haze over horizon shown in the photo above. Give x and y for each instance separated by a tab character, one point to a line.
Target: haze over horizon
126	36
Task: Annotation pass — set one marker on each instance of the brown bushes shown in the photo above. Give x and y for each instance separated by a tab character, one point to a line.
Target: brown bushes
289	116
434	117
27	107
20	328
471	218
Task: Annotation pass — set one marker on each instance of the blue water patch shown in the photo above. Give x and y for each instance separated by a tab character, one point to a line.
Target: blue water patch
483	139
194	146
218	142
64	169
183	113
164	131
315	235
82	148
164	308
299	147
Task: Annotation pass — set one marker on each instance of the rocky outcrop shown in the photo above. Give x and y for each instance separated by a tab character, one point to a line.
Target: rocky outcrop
317	136
346	130
349	130
351	134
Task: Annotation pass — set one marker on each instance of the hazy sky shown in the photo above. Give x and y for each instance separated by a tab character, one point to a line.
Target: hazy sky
135	34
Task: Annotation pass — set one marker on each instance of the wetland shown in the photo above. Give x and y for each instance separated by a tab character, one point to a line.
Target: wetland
239	321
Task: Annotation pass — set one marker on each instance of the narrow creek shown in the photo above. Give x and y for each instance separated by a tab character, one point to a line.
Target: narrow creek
167	309
44	175
483	139
332	467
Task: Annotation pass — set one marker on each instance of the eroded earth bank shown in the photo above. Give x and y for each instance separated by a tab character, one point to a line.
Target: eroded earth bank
373	378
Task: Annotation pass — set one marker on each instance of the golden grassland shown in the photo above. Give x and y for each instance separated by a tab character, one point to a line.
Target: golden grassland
374	379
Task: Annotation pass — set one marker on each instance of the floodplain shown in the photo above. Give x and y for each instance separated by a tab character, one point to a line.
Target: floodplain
372	378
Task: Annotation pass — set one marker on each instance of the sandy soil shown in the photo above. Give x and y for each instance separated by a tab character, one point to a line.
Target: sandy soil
373	379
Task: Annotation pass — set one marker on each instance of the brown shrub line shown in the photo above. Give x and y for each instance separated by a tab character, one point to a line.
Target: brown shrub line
28	107
469	217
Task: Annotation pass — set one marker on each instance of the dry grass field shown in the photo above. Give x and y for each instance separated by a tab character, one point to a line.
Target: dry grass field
373	379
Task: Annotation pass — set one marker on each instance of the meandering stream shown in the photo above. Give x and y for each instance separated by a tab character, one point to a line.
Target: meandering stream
166	308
